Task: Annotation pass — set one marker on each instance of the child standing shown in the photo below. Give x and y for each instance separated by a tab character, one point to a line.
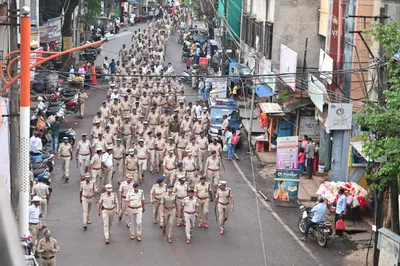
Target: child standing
301	159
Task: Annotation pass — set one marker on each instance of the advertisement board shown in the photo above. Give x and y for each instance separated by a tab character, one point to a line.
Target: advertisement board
286	185
34	58
288	64
51	30
286	152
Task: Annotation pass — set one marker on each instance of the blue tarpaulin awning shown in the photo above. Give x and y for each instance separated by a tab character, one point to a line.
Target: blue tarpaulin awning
263	91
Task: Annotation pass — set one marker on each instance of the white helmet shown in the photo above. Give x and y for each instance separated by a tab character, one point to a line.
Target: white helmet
40	98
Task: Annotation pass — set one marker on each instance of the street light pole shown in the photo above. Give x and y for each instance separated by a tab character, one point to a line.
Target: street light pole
24	186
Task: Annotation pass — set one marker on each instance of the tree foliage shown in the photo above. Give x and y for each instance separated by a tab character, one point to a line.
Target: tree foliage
382	119
91	11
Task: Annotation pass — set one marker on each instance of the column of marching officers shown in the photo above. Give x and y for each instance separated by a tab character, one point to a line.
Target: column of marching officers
146	125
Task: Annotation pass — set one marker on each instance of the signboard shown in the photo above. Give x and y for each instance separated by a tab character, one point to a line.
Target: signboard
5	147
288	64
203	61
220	84
51	30
287	152
389	252
339	116
309	126
34	59
267	70
325	65
317	92
286	185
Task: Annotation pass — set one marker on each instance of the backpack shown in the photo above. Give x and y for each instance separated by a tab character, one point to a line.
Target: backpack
235	139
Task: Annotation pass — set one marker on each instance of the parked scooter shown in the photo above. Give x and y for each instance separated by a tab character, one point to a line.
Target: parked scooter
47	160
321	231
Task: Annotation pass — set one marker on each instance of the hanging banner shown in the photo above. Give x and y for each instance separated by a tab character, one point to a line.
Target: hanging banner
34	58
288	64
51	30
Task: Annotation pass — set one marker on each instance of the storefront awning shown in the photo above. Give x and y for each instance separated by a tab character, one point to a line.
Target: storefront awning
263	91
271	108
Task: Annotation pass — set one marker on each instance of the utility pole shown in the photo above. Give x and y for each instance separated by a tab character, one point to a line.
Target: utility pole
225	24
14	112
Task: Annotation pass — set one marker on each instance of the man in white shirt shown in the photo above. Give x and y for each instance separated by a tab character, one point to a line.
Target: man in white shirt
35	144
197	109
107	165
34	212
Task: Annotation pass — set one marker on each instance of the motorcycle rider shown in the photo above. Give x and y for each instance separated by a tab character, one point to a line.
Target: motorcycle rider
319	211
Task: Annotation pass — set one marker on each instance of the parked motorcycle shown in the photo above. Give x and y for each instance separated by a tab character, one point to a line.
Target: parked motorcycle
185	56
321	231
47	159
70	133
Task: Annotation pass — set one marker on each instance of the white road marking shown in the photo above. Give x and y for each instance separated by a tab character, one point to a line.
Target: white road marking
279	219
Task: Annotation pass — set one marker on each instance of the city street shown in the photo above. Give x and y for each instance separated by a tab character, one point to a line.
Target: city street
251	232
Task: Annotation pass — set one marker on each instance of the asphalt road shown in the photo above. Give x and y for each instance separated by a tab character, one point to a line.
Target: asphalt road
249	232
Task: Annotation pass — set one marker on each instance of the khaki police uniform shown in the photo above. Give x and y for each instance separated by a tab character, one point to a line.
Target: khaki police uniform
82	101
186	125
99	144
126	134
88	191
95	132
169	204
141	153
48	257
202	143
126	107
105	111
132	167
213	169
169	165
189	164
203	192
42	190
181	191
65	151
189	209
109	138
163	130
149	143
118	162
124	188
195	152
153	120
160	147
223	198
174	127
182	143
109	205
170	146
95	163
114	128
107	159
216	147
83	156
135	210
157	191
194	180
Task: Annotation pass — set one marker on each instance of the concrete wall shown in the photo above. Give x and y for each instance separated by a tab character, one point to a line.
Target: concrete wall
294	21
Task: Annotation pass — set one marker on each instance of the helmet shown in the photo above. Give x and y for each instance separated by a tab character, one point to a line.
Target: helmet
40	98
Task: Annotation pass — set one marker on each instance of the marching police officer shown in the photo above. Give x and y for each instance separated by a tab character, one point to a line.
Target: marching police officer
156	193
225	204
169	211
108	204
134	208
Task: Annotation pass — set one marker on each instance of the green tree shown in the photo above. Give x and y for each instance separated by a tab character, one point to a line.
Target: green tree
382	118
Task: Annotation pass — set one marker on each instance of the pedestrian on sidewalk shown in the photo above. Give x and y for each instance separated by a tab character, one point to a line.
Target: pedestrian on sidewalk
42	190
340	209
310	153
301	159
34	212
